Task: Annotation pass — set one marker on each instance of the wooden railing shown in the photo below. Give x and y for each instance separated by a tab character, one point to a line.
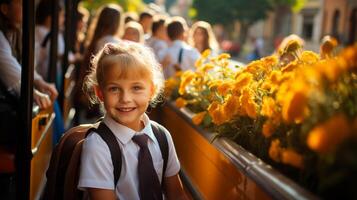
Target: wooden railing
222	169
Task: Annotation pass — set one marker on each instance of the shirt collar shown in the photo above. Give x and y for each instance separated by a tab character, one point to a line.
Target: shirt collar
125	134
178	43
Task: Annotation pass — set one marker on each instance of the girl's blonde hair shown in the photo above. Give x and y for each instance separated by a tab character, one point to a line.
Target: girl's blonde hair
210	42
132	59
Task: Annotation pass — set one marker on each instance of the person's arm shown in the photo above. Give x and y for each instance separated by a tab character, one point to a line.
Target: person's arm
10	69
47	88
99	194
174	188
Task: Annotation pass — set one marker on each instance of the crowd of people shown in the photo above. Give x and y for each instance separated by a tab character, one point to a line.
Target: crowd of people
175	45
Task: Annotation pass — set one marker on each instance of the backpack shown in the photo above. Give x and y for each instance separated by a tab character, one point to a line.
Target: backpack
63	171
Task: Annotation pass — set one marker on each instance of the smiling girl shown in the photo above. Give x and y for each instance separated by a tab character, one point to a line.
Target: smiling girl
126	78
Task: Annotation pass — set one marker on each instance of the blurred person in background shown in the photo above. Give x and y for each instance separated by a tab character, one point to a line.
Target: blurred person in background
159	39
104	28
10	70
146	19
202	37
130	16
133	31
182	56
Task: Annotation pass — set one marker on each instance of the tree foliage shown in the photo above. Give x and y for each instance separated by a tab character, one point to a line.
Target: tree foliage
245	11
128	5
228	11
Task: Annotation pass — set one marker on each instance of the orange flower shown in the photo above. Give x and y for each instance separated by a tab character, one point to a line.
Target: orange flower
248	103
274	77
180	102
294	107
186	79
309	57
268	129
292	158
224	88
224	56
199	62
232	106
326	136
198	118
275	150
206	53
268	107
242	80
206	67
289	67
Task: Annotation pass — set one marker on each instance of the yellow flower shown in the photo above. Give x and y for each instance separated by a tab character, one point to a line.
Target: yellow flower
180	102
275	150
186	78
198	118
326	136
217	114
214	83
270	61
232	106
206	53
268	129
206	67
253	67
248	103
294	107
242	80
268	107
224	88
198	62
289	67
274	77
292	158
309	57
213	107
330	69
224	56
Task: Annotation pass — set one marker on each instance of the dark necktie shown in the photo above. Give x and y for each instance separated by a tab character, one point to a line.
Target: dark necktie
149	184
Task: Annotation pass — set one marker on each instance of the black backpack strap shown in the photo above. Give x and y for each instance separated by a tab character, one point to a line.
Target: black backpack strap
46	39
180	56
160	135
108	136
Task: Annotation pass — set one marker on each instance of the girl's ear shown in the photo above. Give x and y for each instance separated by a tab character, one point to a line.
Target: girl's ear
98	93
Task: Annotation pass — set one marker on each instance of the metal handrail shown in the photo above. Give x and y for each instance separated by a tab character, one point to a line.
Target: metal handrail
270	180
43	134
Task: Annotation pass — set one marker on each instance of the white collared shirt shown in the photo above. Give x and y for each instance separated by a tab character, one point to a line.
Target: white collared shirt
10	68
158	46
96	163
189	57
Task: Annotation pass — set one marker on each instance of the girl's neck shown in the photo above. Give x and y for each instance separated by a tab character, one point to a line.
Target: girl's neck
140	126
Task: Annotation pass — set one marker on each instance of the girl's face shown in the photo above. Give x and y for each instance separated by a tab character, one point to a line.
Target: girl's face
125	100
131	35
199	36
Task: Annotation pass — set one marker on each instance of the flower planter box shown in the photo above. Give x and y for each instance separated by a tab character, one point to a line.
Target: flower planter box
222	169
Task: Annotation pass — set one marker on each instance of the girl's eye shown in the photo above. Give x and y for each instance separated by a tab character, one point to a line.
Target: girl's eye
113	89
136	88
